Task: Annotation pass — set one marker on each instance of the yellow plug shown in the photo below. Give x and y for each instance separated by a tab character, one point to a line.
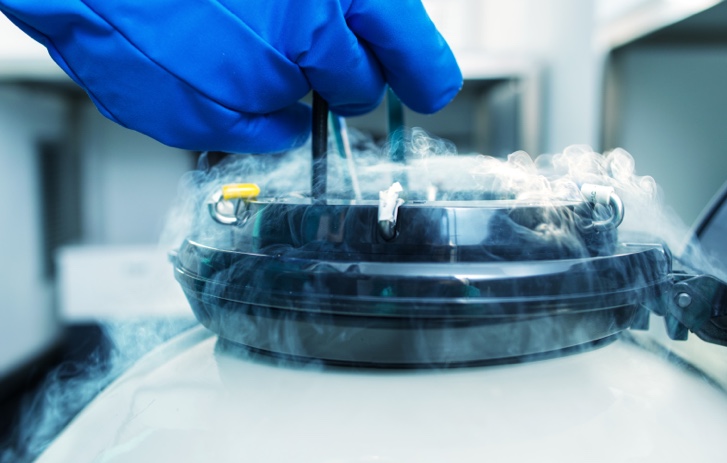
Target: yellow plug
240	191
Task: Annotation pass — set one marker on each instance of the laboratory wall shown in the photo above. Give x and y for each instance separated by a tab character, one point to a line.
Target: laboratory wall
119	269
124	184
556	37
129	181
27	322
669	110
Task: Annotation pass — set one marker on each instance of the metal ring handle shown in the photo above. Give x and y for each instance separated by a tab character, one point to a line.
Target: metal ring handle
218	215
599	194
617	214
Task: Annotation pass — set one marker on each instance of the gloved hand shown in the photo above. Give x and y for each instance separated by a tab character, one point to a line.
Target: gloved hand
227	74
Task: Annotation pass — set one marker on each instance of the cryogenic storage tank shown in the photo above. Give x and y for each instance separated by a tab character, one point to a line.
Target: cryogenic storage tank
199	398
497	328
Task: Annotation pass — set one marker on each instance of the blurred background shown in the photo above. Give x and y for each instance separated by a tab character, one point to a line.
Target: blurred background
83	201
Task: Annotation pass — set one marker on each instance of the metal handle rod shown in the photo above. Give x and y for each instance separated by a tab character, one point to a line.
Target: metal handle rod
395	119
340	133
319	147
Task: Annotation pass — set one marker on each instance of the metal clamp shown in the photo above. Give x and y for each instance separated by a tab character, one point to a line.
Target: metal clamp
606	196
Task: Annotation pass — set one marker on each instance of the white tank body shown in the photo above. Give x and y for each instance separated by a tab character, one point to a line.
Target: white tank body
193	401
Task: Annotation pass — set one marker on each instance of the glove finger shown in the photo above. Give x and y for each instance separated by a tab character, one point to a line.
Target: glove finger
275	132
349	78
416	60
142	96
338	65
207	126
315	38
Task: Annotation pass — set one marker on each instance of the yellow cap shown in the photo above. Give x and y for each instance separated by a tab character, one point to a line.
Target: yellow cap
240	191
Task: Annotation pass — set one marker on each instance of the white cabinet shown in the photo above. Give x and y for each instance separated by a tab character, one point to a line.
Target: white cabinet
623	21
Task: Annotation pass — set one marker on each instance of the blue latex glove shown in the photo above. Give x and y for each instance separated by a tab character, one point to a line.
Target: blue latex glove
227	74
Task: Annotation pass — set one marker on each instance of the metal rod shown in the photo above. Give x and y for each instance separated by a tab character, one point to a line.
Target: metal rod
395	116
340	131
319	147
395	113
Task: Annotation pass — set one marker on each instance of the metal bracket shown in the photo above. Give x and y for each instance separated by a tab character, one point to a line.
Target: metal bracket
699	303
389	203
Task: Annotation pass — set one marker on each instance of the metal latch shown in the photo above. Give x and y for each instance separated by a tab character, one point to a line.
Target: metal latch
229	204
